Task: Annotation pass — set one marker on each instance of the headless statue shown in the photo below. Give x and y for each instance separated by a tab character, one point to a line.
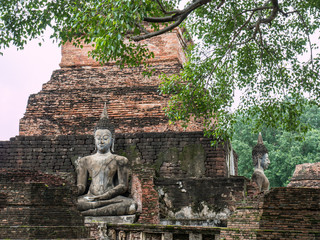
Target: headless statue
109	177
261	162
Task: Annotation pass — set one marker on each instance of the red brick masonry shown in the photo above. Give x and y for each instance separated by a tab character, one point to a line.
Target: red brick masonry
283	213
306	175
72	101
166	48
35	205
56	153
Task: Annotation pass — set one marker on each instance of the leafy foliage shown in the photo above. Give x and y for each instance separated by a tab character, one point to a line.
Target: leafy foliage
255	51
286	149
109	25
254	46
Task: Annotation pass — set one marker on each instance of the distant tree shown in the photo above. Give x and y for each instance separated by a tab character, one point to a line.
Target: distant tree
286	149
250	45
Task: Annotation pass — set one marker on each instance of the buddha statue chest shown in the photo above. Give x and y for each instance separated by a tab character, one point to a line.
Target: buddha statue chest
103	175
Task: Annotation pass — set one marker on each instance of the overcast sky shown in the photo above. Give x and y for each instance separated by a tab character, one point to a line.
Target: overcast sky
22	73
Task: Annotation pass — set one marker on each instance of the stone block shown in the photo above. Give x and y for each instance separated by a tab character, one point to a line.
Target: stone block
110	219
167	236
195	236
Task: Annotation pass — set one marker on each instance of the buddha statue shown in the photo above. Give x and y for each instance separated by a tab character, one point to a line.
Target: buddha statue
261	162
109	176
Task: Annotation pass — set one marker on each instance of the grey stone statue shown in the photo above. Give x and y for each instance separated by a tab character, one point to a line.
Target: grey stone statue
261	162
109	177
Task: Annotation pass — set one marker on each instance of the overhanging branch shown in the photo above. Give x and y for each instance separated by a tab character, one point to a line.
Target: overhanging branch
164	10
178	17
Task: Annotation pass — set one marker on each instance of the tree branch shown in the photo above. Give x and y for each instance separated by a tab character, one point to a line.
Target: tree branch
308	35
142	28
230	45
252	10
240	29
256	9
273	15
177	17
164	10
220	4
161	19
286	14
156	33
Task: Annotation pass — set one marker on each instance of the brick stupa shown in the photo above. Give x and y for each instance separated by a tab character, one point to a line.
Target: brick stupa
72	101
306	175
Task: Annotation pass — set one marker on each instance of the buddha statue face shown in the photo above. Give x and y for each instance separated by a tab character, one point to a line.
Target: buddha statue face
103	140
264	161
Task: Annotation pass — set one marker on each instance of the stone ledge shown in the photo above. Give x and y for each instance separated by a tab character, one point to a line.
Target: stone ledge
110	219
214	222
158	228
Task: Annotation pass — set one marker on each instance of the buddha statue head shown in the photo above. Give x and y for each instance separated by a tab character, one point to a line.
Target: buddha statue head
104	133
260	156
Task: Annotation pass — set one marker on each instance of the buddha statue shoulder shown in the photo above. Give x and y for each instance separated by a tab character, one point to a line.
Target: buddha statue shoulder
109	173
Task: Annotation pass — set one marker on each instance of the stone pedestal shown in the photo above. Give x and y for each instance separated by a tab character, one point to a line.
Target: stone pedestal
98	225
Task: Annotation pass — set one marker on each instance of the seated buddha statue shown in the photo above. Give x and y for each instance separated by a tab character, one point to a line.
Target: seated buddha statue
109	177
261	162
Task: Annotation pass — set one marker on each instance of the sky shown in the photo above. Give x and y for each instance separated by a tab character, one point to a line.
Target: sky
22	73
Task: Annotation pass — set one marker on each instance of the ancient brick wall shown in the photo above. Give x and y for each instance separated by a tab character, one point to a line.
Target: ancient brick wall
72	101
171	154
38	206
202	201
292	213
291	209
144	193
282	213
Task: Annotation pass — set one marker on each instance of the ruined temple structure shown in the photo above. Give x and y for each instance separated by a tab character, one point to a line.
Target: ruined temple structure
173	169
184	188
71	102
306	175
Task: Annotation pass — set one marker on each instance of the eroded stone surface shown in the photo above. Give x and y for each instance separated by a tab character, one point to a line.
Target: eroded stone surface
110	219
205	201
